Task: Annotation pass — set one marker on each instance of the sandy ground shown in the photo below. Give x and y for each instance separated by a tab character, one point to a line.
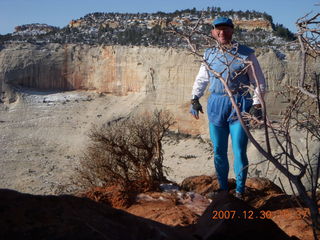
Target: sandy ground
43	136
185	157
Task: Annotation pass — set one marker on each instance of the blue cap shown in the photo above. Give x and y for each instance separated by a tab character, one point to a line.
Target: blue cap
222	21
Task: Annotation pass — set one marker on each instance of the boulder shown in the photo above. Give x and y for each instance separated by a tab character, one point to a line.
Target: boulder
219	222
203	184
25	216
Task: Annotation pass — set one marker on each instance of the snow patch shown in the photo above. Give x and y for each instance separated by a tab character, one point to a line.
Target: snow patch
56	97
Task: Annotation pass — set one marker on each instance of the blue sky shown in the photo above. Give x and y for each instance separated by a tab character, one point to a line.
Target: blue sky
60	12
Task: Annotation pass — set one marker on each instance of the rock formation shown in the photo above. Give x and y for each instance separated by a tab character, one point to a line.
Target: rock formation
164	75
68	217
254	24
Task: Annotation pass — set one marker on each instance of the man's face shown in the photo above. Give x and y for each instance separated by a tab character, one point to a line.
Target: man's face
223	34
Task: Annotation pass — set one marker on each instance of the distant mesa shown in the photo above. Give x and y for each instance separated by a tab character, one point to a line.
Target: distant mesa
151	20
153	29
254	24
34	29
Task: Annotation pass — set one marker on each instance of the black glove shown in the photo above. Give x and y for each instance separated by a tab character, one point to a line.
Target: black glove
195	107
256	111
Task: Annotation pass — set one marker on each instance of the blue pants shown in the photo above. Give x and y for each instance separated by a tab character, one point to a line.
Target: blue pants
219	137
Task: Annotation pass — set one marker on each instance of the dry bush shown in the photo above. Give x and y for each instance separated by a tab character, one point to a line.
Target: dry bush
127	153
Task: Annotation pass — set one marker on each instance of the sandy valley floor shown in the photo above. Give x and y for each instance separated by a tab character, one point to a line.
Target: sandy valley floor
43	136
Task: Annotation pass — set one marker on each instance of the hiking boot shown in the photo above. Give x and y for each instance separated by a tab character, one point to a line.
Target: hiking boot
213	194
239	196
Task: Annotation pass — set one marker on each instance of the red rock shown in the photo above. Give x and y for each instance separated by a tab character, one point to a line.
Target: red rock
175	209
203	184
29	217
245	223
113	196
263	184
165	212
294	222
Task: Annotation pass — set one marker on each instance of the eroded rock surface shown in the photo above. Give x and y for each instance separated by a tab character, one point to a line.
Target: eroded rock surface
25	216
68	217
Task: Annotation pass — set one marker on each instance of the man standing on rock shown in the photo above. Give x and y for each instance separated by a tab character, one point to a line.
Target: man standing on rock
228	59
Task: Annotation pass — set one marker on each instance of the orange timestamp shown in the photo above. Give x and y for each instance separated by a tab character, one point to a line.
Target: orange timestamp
245	214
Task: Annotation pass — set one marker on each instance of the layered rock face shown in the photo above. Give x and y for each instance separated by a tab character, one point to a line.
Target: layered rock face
72	67
254	24
164	75
111	69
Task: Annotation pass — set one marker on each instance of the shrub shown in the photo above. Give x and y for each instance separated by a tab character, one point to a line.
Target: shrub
127	153
285	33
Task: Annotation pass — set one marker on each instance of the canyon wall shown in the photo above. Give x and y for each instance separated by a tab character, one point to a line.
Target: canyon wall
164	76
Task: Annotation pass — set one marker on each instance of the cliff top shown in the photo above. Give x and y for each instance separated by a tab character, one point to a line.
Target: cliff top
151	29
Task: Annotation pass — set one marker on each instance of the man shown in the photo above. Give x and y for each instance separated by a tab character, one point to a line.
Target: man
228	59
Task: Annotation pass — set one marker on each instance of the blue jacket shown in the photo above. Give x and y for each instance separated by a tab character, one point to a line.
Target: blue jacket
220	110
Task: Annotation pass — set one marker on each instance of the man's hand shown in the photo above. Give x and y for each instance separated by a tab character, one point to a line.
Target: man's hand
195	107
